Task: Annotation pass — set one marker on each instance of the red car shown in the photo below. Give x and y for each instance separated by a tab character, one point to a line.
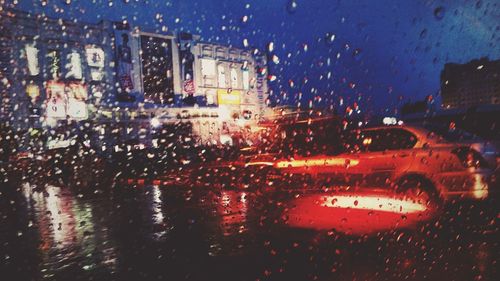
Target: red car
410	159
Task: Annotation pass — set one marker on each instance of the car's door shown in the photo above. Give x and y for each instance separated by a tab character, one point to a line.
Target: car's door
383	152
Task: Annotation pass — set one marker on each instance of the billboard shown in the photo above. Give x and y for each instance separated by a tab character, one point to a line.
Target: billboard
66	100
228	97
127	69
76	106
124	61
187	67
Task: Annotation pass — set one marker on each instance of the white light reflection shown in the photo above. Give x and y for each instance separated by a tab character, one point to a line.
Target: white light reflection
233	208
55	218
27	191
375	203
61	216
157	205
67	226
480	188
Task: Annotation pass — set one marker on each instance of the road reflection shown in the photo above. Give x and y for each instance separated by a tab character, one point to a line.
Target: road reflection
232	209
359	213
69	234
186	232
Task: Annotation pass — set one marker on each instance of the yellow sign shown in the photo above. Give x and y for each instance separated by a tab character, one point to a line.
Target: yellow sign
33	91
228	97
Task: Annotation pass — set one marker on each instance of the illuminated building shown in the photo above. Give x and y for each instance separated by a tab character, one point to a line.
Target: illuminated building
222	91
474	83
57	70
52	70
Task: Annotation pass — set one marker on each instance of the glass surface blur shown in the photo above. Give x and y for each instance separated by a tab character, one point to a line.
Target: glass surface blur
249	140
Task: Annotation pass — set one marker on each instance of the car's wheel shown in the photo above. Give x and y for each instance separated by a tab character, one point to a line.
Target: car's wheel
418	189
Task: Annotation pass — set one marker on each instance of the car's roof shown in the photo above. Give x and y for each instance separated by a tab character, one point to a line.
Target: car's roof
416	129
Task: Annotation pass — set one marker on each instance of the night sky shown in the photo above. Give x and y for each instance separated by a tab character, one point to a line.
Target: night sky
382	53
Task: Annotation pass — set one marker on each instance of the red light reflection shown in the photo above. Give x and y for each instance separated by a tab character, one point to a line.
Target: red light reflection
233	209
356	213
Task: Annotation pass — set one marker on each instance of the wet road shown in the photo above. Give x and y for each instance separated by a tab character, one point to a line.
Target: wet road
181	233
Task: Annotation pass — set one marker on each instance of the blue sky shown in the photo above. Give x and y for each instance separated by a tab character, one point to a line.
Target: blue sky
383	52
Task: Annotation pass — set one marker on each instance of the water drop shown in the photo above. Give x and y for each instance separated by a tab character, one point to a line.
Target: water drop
356	54
439	13
291	7
423	33
329	38
270	47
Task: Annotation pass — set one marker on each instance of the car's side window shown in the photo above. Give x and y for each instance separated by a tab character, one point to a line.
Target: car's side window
377	141
403	139
388	139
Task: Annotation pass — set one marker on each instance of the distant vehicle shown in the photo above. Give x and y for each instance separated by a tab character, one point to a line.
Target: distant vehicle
413	160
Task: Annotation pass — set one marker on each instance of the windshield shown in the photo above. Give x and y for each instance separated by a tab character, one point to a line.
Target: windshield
249	140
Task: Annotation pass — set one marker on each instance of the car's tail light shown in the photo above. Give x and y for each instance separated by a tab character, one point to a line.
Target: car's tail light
470	158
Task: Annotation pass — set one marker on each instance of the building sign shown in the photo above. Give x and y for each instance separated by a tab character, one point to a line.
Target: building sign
188	87
95	56
33	91
54	64
56	100
157	69
228	97
32	57
95	61
74	66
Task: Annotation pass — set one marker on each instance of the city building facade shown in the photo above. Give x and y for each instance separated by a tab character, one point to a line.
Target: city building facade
53	71
472	84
